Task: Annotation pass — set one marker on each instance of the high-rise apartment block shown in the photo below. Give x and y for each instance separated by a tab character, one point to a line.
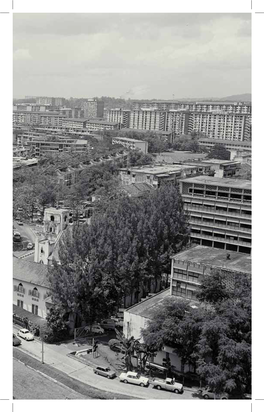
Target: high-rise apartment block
217	120
93	108
120	116
219	211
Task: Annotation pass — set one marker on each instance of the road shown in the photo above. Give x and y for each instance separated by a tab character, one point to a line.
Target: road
56	356
25	231
30	384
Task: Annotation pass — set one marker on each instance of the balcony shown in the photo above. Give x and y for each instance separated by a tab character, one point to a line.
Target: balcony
217	225
202	208
220	239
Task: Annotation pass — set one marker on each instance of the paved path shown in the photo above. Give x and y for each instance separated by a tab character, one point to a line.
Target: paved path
56	356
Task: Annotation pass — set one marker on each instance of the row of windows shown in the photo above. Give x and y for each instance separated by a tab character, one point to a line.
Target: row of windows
31	292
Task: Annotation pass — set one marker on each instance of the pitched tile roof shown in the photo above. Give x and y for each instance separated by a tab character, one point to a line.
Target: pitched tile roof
35	273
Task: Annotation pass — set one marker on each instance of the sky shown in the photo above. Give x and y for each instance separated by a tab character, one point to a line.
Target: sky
136	56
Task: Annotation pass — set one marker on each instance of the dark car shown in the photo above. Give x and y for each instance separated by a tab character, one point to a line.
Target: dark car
16	341
104	371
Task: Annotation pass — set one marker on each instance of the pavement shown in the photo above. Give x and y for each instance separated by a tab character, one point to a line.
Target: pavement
56	357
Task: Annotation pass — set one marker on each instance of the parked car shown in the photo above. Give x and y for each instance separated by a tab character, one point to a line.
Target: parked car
104	371
135	378
30	246
25	334
116	346
20	223
108	324
16	341
167	384
16	236
207	393
97	329
118	321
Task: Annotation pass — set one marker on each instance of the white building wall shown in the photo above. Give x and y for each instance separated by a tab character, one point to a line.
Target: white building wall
29	300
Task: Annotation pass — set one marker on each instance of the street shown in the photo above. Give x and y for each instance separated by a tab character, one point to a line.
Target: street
25	231
56	356
29	384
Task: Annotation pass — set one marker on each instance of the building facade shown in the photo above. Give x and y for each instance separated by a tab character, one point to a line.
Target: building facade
219	211
42	146
131	143
93	108
189	268
30	286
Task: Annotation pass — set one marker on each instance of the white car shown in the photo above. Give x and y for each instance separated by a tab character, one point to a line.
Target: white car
135	378
97	329
25	334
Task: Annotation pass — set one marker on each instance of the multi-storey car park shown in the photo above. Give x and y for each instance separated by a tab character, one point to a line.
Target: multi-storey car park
219	211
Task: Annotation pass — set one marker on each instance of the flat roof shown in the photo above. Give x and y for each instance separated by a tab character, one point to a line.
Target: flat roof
219	161
102	122
128	139
75	119
210	180
180	156
148	307
156	169
216	258
225	141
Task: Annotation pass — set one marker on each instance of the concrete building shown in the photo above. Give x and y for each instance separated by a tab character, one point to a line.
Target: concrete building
47	118
188	268
228	144
74	124
53	101
131	143
228	121
220	212
221	168
100	125
93	108
30	286
42	146
120	116
157	174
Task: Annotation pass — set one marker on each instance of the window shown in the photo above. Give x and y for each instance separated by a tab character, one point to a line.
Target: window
21	288
35	292
52	218
20	303
35	309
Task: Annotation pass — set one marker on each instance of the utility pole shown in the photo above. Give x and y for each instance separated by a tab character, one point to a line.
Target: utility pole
42	350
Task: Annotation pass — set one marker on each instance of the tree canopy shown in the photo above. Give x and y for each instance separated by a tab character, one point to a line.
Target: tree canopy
215	337
219	152
126	246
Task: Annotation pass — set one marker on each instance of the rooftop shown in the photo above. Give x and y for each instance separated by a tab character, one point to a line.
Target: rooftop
128	139
217	141
219	161
137	189
216	258
31	272
180	156
210	180
147	307
161	169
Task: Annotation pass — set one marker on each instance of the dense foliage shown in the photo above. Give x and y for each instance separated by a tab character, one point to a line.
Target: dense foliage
214	337
127	246
219	152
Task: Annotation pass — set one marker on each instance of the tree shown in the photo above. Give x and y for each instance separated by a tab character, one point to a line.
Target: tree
219	152
127	245
213	288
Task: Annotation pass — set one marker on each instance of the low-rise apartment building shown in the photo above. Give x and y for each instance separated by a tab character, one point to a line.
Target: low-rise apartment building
219	211
38	118
188	268
100	125
42	146
221	168
74	124
157	174
131	143
228	144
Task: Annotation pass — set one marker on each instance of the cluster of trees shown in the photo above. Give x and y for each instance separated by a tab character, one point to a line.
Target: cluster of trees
126	248
219	151
214	337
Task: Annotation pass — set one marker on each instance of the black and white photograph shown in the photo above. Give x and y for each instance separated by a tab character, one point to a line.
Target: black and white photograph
132	206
